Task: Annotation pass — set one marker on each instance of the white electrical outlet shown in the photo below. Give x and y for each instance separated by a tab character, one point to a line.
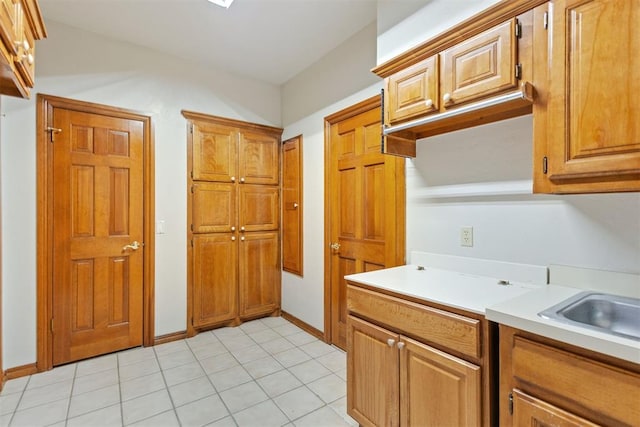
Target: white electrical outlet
466	236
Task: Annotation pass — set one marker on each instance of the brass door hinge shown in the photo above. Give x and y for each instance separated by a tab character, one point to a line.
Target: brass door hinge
518	29
545	20
510	403
518	71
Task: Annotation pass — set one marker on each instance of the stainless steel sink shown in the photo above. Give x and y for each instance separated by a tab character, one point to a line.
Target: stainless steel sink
611	314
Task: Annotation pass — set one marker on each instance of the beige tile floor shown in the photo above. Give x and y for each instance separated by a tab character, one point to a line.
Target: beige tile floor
266	372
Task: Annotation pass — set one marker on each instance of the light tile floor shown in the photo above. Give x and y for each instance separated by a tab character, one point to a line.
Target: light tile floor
266	372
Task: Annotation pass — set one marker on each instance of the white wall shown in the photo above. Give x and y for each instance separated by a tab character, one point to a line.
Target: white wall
338	74
81	65
475	177
434	18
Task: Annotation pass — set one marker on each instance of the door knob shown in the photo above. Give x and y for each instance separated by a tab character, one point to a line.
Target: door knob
295	206
133	246
335	246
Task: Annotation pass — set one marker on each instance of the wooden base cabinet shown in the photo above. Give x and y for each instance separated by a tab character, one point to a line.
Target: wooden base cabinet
545	382
394	380
399	373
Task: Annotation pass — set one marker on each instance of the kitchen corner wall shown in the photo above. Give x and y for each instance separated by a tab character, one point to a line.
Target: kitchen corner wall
81	65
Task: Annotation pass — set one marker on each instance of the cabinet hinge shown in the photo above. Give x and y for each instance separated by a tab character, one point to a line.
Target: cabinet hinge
191	128
510	403
192	243
191	174
191	227
545	165
545	20
192	190
518	29
518	71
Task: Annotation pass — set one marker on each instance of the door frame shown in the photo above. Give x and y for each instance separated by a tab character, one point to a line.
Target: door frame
44	170
344	114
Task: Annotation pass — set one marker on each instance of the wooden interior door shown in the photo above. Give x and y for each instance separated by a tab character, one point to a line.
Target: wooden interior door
365	206
97	293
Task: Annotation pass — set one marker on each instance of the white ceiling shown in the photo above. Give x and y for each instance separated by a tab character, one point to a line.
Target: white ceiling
268	40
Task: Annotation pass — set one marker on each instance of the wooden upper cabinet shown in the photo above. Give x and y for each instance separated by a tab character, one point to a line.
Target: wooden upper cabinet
20	26
10	17
259	158
412	92
481	66
592	143
215	151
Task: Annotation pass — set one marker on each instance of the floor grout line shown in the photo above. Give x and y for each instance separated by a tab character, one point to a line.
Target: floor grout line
234	341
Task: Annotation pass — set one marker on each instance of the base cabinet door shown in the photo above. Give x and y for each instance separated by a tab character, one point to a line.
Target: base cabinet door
373	376
437	389
529	411
215	291
259	273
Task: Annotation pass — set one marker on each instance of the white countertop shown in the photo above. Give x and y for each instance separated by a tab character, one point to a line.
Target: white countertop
515	305
522	312
460	290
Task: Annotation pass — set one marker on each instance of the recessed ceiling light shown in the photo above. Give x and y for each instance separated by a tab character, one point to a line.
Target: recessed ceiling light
222	3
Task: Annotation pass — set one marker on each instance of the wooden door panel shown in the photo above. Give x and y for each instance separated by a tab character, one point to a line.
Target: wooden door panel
413	91
529	411
259	208
374	195
214	152
365	216
480	66
436	388
258	158
98	206
214	207
369	351
215	296
292	233
259	273
599	122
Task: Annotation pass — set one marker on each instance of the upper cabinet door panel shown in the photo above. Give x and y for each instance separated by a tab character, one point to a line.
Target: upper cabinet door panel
413	92
214	152
9	24
594	85
481	66
258	158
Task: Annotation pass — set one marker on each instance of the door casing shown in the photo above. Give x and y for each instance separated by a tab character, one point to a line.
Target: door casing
44	110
